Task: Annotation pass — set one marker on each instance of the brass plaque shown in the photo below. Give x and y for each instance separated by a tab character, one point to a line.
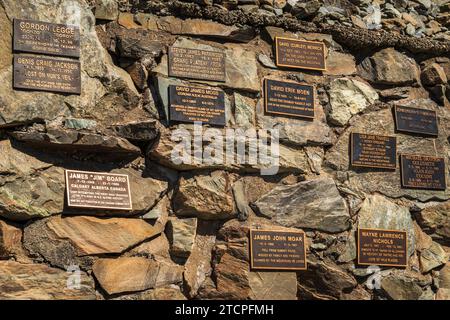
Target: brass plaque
416	120
289	98
300	54
382	247
423	172
190	104
103	190
196	64
373	151
277	250
47	74
46	38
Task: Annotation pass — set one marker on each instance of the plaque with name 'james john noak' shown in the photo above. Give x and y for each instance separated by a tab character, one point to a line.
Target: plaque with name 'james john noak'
103	190
373	151
423	172
46	38
300	54
277	250
47	74
415	120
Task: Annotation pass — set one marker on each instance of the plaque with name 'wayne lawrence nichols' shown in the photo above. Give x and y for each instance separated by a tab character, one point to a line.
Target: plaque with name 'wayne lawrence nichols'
103	190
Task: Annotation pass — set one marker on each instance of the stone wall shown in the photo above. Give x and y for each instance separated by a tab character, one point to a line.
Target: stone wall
187	235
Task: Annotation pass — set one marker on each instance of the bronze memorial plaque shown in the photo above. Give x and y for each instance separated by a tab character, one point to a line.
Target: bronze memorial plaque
190	104
277	250
373	151
47	74
289	98
46	38
196	64
382	247
416	120
423	172
98	190
300	54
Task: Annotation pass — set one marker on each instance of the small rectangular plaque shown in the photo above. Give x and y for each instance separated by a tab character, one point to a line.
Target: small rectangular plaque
87	189
47	74
423	172
277	250
300	54
382	247
416	120
373	151
289	98
190	104
196	64
46	38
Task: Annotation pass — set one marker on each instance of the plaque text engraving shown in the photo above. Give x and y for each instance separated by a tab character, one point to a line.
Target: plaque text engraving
423	172
301	54
373	151
416	120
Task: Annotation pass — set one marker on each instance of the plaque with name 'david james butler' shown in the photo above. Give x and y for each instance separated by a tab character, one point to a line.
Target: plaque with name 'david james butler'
302	54
423	172
415	120
373	151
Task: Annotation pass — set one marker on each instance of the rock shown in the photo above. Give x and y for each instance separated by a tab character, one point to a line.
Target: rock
433	75
232	277
244	111
398	287
181	234
339	63
306	9
436	219
314	204
168	293
273	285
10	241
106	9
373	19
431	254
40	282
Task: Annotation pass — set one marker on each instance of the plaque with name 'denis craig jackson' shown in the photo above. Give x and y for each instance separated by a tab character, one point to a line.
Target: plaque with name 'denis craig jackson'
47	74
103	190
289	98
190	104
277	250
416	120
46	38
423	172
300	54
382	247
373	151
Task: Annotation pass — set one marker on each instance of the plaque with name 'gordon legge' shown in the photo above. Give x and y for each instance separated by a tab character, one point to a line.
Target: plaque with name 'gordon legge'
416	120
103	190
46	38
277	250
423	172
190	104
382	247
196	64
47	74
289	99
300	54
373	151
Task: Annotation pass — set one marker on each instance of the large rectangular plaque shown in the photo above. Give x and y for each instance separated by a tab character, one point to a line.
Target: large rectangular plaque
423	172
300	54
382	247
196	64
277	250
416	120
104	190
47	74
190	104
373	151
289	98
46	38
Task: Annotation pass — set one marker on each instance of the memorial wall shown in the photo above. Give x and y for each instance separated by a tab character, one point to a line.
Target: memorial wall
225	149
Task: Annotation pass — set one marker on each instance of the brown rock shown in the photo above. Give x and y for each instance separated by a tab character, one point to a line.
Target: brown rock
340	64
432	75
10	240
436	219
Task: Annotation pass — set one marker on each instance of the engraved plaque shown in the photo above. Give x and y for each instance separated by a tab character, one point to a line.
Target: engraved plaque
373	151
98	190
416	120
423	172
196	64
46	38
47	74
277	250
382	247
289	98
190	104
300	54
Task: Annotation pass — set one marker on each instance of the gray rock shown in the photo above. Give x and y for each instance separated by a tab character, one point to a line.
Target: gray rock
181	234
